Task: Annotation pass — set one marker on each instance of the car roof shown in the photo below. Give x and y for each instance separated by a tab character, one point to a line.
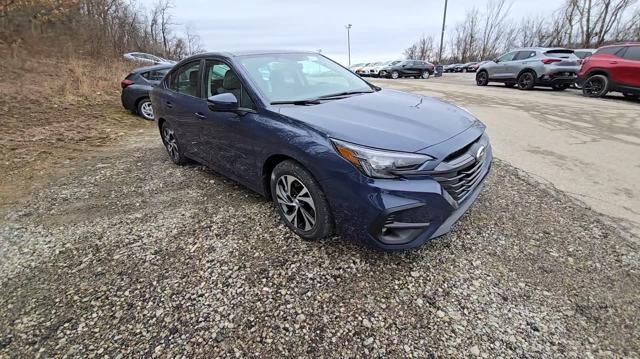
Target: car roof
632	43
151	68
251	52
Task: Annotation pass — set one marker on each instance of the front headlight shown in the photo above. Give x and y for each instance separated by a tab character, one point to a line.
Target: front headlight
378	163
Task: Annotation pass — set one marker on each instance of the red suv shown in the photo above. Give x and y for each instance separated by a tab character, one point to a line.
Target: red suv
612	68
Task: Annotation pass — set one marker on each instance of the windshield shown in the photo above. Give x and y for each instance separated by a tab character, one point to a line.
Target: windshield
298	77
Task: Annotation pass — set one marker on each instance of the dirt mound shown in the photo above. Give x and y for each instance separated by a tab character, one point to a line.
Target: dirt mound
53	110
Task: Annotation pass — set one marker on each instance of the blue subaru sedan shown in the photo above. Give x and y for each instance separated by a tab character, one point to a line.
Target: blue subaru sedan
335	153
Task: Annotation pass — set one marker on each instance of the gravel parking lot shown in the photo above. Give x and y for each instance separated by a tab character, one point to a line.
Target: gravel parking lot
125	254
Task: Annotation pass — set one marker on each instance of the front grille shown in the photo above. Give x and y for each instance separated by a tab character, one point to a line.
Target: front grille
461	182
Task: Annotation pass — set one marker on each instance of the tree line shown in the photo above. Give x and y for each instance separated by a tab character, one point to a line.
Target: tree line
97	28
486	33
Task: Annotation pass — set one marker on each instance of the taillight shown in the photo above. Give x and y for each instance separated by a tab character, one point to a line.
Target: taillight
550	61
126	83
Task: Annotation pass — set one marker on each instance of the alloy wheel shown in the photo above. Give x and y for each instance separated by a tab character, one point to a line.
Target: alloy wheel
146	110
525	80
296	202
395	75
425	74
481	79
170	143
593	86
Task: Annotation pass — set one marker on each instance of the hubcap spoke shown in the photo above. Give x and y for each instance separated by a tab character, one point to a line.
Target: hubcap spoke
309	220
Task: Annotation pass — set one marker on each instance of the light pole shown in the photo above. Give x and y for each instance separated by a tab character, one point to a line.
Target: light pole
348	27
444	21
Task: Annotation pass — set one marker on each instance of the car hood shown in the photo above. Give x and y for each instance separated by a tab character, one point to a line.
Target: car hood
386	119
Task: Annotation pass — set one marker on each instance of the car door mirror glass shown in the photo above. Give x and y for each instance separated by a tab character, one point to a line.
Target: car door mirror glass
223	102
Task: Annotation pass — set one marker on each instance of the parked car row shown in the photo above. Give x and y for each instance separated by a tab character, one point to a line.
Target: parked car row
395	69
613	68
467	67
147	59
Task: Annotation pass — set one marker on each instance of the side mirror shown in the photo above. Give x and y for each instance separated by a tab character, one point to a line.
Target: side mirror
496	60
223	102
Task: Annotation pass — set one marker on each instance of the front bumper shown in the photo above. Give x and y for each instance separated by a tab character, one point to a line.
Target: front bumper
399	214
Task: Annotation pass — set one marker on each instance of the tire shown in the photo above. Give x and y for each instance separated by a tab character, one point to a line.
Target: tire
560	87
482	78
595	86
145	109
630	96
526	81
426	75
395	75
306	213
510	84
171	144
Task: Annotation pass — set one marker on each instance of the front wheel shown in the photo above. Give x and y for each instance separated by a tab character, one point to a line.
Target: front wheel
526	80
595	86
482	78
425	74
395	74
300	201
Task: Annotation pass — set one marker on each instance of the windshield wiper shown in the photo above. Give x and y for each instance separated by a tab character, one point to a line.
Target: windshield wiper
311	101
316	100
343	94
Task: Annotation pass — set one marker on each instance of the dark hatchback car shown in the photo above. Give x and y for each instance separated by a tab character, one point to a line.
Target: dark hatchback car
333	152
408	68
136	87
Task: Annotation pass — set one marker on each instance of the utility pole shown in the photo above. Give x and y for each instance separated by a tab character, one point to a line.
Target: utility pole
444	21
348	27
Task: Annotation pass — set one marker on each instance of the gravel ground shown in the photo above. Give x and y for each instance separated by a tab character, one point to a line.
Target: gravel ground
129	255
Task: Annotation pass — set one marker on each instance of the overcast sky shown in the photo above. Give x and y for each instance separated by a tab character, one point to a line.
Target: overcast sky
381	29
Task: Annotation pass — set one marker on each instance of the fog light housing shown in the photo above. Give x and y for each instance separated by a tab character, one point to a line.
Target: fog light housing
400	225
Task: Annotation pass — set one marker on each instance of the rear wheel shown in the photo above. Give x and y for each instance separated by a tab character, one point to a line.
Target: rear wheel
596	86
395	74
526	80
426	74
482	78
145	109
300	201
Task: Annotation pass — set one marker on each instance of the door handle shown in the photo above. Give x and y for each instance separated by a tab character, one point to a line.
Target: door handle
200	116
613	62
168	104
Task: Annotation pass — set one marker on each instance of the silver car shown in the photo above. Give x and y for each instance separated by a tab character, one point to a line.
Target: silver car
529	67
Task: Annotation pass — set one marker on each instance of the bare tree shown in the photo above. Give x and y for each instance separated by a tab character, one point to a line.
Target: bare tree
494	28
194	44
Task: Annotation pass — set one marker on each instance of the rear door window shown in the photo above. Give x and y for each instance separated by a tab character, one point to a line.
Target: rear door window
632	53
523	55
616	50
